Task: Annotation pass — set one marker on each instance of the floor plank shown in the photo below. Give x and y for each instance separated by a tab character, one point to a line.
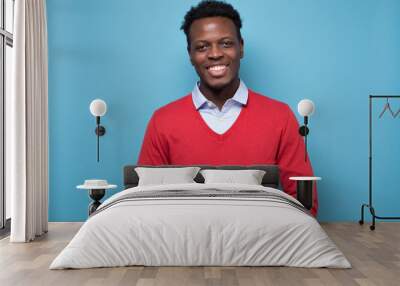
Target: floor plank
374	255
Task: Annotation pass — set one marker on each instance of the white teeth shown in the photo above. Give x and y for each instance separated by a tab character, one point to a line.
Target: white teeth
216	68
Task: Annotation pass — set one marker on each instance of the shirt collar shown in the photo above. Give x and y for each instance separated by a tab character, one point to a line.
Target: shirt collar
240	96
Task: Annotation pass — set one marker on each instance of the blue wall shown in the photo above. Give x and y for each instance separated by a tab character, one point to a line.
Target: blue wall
133	55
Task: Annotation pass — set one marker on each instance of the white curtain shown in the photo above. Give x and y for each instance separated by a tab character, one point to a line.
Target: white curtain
27	124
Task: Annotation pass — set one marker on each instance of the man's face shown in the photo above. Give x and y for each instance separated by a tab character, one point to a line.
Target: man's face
215	51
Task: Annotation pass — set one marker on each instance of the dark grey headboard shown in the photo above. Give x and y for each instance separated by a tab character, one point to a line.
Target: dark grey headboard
271	177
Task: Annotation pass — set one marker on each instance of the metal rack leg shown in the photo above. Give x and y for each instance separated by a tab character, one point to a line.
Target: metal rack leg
361	221
374	216
372	210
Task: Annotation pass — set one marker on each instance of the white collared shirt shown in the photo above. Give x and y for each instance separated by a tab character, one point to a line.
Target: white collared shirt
220	120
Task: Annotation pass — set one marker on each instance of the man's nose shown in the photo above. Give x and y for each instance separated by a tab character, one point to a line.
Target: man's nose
215	52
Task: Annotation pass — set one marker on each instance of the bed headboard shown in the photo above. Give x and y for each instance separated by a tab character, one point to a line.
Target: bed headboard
270	179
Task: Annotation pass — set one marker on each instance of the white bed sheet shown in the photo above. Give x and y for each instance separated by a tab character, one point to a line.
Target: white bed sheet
200	231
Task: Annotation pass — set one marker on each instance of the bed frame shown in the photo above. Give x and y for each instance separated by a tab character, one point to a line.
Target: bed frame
270	179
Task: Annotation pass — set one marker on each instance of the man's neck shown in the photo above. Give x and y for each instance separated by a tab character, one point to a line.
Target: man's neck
219	96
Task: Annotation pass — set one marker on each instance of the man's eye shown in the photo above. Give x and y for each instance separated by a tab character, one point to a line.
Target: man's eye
227	44
201	48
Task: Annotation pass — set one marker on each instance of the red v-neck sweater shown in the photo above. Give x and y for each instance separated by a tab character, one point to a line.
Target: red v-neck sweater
265	132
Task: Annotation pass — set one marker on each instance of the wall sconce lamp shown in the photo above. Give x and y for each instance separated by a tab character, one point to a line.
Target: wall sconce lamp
98	108
305	108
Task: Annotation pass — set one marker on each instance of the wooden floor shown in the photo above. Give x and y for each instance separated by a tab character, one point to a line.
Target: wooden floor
374	255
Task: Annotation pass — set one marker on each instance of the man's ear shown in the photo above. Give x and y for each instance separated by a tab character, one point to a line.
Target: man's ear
241	48
190	57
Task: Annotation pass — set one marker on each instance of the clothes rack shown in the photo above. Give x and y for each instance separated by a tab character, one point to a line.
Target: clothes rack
370	205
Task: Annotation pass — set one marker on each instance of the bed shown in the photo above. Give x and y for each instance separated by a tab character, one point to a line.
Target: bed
201	224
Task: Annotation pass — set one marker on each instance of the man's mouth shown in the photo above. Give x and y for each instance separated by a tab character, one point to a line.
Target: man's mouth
217	70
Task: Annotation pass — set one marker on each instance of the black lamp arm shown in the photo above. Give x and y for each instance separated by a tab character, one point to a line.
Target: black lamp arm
305	120
100	131
303	130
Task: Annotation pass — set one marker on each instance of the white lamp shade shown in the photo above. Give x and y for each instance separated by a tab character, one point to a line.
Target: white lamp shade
305	107
98	107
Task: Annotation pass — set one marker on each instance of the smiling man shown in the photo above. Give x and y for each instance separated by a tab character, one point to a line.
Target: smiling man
222	122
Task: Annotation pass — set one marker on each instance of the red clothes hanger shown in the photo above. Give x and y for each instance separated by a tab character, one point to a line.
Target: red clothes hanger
397	113
387	107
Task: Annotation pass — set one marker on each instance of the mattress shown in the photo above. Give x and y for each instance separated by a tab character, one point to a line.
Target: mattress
201	225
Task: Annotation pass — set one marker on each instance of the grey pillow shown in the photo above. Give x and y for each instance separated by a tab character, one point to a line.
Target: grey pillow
249	177
163	176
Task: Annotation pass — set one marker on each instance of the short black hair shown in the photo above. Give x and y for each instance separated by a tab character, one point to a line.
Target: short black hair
211	8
